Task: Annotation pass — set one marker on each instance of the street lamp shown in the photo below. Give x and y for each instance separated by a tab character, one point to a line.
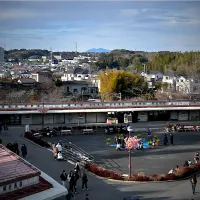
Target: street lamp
129	129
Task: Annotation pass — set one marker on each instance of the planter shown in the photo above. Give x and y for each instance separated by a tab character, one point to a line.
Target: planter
108	143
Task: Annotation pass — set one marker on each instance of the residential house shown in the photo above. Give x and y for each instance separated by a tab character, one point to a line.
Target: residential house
152	78
78	74
27	82
170	80
190	85
42	75
79	88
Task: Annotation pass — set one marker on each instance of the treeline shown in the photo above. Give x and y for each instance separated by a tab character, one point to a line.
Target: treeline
23	54
186	63
122	59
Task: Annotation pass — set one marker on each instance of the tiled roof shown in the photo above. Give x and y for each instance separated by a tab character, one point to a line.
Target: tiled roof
13	168
27	80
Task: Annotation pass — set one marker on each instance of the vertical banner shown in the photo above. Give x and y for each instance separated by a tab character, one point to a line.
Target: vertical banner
27	128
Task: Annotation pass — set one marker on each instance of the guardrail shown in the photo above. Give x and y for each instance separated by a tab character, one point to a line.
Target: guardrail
100	104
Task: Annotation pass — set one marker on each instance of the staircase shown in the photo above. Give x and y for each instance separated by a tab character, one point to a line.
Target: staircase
73	153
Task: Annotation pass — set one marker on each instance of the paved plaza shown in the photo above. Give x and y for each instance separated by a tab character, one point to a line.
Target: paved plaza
160	160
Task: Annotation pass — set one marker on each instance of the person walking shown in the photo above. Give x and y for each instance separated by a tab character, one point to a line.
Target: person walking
77	168
72	183
59	147
5	128
171	138
84	181
55	151
16	148
193	182
63	178
24	151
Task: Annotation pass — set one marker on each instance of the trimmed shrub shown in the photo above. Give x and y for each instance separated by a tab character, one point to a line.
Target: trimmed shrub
38	141
177	175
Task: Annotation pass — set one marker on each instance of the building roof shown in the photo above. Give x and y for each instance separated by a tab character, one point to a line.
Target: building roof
38	70
13	168
78	70
74	83
27	80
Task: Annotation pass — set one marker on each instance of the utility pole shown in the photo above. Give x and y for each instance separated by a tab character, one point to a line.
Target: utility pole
76	48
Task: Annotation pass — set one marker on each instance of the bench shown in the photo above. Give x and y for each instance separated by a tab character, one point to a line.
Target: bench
66	132
88	132
37	135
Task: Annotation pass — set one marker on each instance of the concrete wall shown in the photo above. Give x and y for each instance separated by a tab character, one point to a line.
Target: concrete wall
91	117
26	119
183	115
194	115
36	119
142	116
48	118
173	115
59	118
101	117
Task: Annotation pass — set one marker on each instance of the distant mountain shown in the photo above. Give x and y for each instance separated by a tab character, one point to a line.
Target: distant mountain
99	50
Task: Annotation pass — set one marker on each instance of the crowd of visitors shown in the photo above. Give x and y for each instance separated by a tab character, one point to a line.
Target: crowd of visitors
70	181
15	148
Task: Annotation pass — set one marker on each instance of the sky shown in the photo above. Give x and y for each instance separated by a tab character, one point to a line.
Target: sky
133	25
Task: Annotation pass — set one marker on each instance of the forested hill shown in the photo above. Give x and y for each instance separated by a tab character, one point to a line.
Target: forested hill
182	63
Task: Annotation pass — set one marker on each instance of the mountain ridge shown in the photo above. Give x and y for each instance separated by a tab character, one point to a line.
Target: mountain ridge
98	50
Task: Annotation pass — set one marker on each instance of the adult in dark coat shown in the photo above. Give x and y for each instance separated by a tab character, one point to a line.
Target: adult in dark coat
72	183
84	181
171	138
16	148
24	150
193	182
9	146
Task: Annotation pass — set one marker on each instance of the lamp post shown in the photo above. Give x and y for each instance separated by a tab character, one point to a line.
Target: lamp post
129	129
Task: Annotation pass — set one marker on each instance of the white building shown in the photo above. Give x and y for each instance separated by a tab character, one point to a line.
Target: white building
18	176
170	80
1	54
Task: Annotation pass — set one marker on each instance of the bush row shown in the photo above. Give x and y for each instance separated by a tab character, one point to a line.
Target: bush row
36	140
182	173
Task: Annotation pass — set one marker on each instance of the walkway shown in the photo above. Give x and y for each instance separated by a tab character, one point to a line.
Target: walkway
102	189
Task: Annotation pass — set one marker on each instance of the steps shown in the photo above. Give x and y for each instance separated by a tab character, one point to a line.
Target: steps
73	154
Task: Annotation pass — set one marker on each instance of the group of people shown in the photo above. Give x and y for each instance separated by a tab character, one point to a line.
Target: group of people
171	138
120	143
188	163
70	181
57	151
15	148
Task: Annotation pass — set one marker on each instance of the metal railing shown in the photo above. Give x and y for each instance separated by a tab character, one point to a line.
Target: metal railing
101	104
73	153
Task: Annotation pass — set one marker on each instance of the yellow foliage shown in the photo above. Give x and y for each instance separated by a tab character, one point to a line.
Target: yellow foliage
117	81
